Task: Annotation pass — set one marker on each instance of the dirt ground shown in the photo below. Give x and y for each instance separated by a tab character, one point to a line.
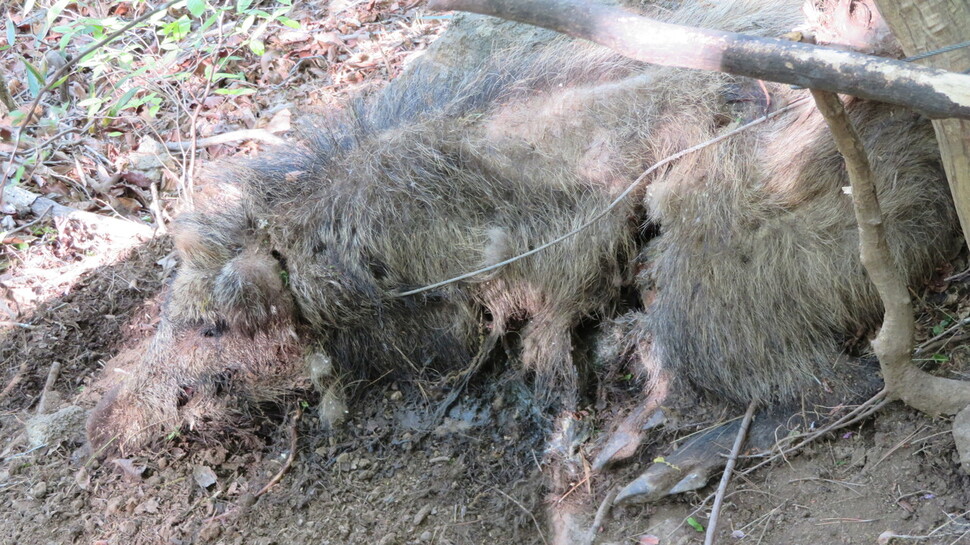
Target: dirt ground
386	478
390	475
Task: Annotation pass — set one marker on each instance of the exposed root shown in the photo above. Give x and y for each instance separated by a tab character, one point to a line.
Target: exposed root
894	343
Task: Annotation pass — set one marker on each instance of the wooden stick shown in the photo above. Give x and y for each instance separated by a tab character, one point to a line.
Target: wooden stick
728	469
936	93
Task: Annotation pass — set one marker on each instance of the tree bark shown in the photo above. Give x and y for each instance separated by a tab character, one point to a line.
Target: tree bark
936	93
928	25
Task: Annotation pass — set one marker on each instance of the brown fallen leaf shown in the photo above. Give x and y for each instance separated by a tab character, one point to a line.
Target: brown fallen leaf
129	468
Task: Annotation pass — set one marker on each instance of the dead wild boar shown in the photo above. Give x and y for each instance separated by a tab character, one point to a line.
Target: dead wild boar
291	272
476	154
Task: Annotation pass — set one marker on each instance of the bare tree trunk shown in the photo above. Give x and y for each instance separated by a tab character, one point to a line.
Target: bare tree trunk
928	25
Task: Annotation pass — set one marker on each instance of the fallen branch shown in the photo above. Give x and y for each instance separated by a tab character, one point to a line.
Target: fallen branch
40	206
224	138
934	92
923	26
894	343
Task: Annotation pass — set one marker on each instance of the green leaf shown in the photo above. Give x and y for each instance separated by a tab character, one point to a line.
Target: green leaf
33	69
289	22
18	175
34	78
209	22
257	47
235	92
11	32
66	37
692	522
243	5
122	102
196	7
937	330
941	358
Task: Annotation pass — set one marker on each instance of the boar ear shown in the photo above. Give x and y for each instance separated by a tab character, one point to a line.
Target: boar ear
206	241
250	290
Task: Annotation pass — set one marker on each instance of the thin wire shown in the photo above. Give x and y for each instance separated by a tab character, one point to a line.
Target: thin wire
939	51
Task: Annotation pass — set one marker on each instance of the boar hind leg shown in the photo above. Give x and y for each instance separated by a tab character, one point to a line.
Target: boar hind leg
547	352
694	464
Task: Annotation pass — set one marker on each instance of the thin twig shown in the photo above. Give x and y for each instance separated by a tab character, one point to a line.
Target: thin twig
542	535
249	499
232	136
601	514
28	224
728	469
188	173
17	324
933	343
569	492
896	447
865	409
290	457
15	380
52	375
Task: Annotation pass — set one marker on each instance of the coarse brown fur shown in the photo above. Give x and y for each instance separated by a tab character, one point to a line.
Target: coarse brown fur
770	247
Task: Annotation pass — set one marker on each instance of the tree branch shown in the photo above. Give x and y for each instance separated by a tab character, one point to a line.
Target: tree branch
936	93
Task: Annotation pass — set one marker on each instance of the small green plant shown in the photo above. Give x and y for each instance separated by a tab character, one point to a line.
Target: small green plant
939	328
692	522
174	434
118	76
